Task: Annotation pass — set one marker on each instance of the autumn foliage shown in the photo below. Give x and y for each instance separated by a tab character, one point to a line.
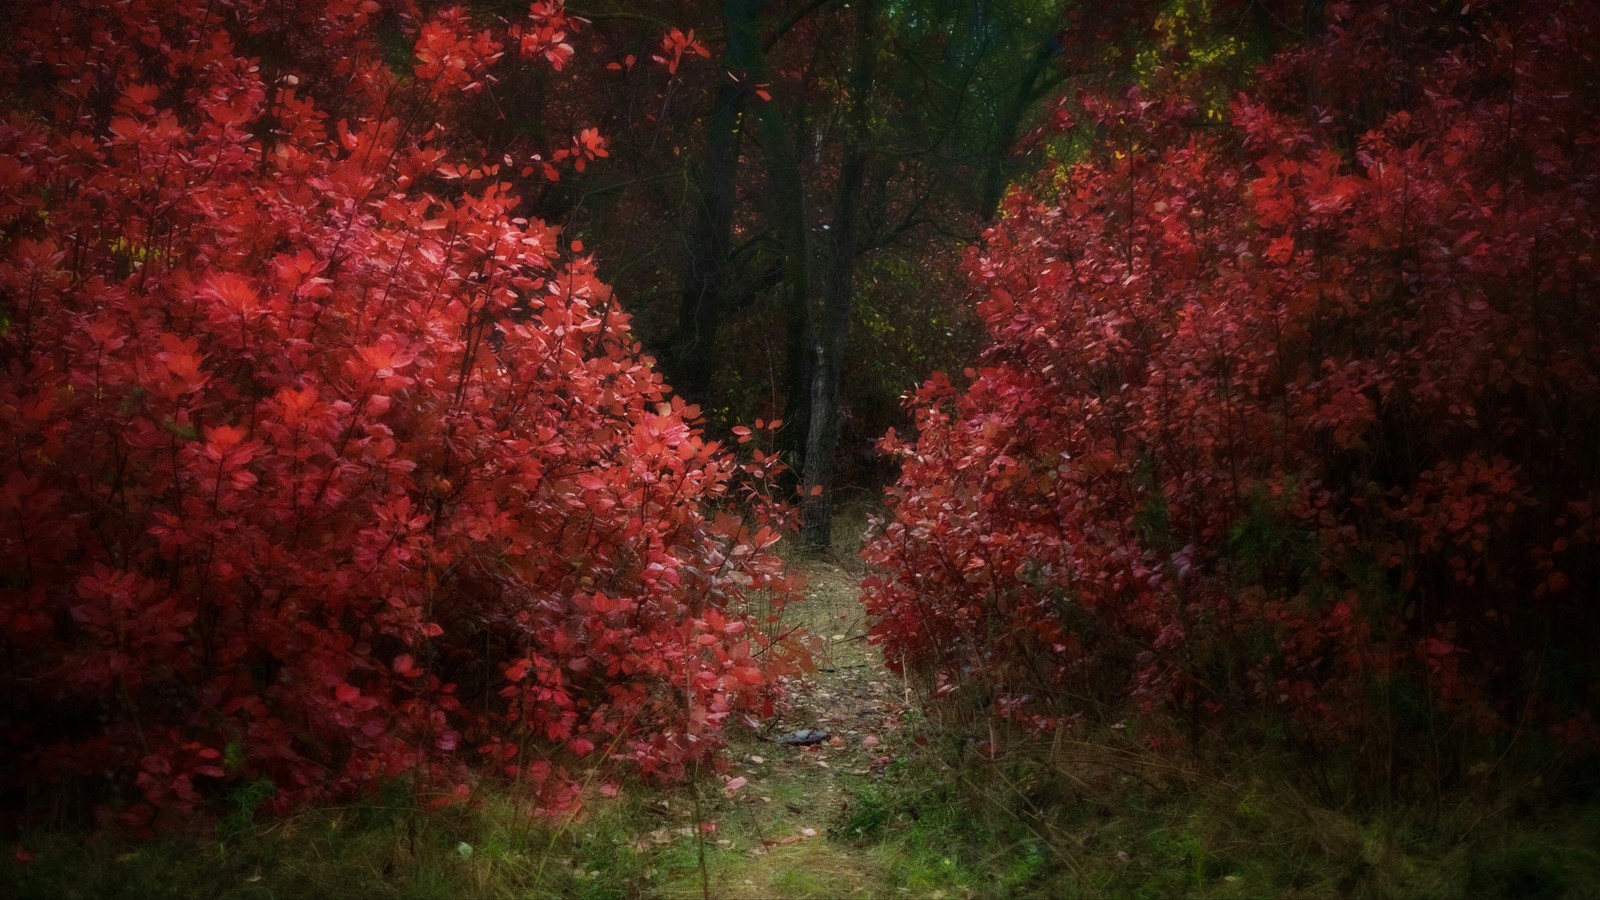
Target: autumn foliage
1290	410
319	462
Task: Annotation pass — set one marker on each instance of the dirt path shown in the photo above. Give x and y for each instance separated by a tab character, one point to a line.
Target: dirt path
772	836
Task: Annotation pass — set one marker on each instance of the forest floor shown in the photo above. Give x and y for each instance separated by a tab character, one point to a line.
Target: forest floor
781	833
892	804
777	836
895	804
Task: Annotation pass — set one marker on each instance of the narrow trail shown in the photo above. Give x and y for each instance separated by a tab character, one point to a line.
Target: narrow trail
782	834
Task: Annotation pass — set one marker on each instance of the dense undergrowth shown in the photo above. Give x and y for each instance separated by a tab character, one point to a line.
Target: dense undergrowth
929	813
1103	816
350	546
321	461
1098	817
1285	425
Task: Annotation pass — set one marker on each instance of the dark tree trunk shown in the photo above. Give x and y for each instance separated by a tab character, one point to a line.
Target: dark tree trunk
822	433
1316	22
996	172
692	356
782	163
798	361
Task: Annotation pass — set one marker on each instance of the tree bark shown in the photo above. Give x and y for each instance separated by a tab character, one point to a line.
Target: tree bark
782	162
704	303
822	437
997	174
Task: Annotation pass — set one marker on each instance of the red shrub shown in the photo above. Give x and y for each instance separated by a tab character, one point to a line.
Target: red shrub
318	462
1298	413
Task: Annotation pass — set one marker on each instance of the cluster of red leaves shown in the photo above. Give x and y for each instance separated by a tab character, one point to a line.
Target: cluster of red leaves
675	45
1297	414
317	462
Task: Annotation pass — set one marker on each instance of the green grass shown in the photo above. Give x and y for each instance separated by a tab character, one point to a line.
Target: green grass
1107	819
383	848
1097	819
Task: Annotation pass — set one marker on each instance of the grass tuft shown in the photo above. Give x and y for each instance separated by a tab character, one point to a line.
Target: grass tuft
386	847
1104	817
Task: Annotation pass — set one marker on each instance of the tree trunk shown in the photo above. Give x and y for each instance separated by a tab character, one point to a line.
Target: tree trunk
822	437
798	367
692	357
782	163
1316	26
997	173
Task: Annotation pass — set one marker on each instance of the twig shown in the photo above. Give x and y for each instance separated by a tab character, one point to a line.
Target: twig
700	835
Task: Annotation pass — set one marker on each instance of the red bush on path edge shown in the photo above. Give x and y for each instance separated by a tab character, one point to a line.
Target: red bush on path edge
319	463
1290	413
